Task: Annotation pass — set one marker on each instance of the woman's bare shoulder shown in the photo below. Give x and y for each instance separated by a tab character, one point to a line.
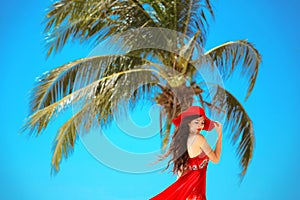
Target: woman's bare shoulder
200	137
196	139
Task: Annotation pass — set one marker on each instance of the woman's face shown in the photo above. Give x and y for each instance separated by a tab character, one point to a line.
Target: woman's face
197	124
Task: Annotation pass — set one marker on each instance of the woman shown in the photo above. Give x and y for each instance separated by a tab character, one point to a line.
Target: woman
190	155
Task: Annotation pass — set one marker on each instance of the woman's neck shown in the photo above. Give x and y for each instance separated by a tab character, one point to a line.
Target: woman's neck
195	133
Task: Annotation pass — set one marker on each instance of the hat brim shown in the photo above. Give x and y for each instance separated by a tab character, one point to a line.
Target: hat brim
208	126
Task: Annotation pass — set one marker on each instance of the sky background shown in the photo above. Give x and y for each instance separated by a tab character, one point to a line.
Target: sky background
273	27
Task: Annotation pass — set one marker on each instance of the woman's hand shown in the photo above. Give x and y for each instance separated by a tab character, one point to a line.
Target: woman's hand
218	127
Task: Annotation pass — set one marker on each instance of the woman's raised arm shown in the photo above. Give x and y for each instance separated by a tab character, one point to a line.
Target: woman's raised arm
215	155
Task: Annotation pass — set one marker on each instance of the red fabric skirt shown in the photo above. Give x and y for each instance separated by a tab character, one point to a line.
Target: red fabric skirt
191	185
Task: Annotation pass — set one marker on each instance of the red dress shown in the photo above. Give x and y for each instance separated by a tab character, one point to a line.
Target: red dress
191	185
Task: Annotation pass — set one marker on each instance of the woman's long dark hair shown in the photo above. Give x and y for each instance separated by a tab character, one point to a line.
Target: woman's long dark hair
178	146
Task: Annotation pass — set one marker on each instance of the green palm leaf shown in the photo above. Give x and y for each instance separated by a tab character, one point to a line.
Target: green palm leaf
241	126
56	91
96	20
97	108
91	19
98	111
59	82
228	55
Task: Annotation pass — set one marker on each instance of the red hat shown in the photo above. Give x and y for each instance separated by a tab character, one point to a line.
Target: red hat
194	110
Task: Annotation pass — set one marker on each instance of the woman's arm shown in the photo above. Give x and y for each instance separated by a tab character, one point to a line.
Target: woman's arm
218	148
215	155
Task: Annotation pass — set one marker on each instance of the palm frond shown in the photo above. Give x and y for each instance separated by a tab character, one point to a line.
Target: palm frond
186	54
59	82
241	126
195	15
64	142
89	116
110	99
171	48
186	17
227	56
91	20
122	85
94	20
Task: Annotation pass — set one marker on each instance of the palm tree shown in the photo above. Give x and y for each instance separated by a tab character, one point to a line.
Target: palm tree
97	81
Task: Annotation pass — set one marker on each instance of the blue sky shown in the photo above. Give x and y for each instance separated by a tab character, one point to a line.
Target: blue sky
272	26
